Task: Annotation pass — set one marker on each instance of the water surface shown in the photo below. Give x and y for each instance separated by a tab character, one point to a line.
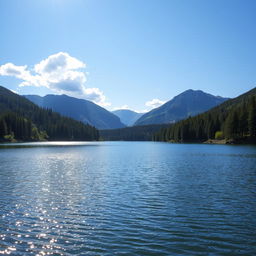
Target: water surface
127	198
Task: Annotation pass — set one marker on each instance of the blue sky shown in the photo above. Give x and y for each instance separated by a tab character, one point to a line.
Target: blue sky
128	52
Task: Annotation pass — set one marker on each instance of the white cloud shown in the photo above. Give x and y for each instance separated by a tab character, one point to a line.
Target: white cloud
14	91
60	73
143	111
10	69
154	103
57	63
95	95
122	107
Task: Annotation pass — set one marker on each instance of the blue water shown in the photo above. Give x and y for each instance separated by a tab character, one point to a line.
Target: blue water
127	198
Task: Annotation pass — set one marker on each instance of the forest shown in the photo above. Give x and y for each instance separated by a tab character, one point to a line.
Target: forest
233	121
22	120
134	133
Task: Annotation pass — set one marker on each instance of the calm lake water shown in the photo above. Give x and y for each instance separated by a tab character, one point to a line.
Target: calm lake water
127	198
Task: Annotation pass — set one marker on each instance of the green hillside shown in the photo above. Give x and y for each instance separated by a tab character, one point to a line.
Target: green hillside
233	121
22	120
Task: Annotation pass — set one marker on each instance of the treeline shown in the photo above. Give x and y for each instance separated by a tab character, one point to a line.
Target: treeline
22	120
234	120
135	133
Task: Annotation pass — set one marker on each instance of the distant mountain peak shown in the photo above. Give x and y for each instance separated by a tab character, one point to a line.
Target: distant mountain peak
78	109
188	103
127	116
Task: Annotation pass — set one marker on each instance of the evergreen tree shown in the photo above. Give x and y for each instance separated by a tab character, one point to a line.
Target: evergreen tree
26	121
231	125
243	121
3	128
252	117
234	119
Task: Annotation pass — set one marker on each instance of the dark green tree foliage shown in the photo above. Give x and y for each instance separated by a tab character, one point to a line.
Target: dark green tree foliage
231	127
23	120
252	117
13	123
135	133
235	119
3	128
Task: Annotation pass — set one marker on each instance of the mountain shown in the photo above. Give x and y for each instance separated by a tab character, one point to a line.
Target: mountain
232	121
78	109
188	103
20	119
127	117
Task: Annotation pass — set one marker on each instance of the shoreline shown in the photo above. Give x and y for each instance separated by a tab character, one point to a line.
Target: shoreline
220	142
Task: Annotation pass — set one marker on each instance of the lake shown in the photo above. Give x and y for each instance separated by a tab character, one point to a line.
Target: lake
127	198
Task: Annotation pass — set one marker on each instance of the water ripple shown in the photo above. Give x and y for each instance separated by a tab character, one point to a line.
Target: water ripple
127	199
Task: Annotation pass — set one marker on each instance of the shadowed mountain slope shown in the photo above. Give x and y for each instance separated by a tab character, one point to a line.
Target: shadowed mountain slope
188	103
79	109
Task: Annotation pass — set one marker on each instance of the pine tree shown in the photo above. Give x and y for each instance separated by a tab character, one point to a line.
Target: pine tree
231	125
252	117
3	128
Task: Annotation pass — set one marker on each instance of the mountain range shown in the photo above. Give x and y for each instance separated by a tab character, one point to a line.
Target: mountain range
127	117
78	109
234	119
188	103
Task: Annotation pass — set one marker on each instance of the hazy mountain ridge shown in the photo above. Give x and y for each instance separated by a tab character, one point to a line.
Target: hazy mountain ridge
127	116
78	109
188	103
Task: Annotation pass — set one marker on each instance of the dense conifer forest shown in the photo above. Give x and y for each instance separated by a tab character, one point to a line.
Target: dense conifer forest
22	120
233	121
135	133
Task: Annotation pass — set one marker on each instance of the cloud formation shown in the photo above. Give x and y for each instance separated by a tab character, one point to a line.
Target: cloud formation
60	73
155	103
122	108
10	69
58	62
